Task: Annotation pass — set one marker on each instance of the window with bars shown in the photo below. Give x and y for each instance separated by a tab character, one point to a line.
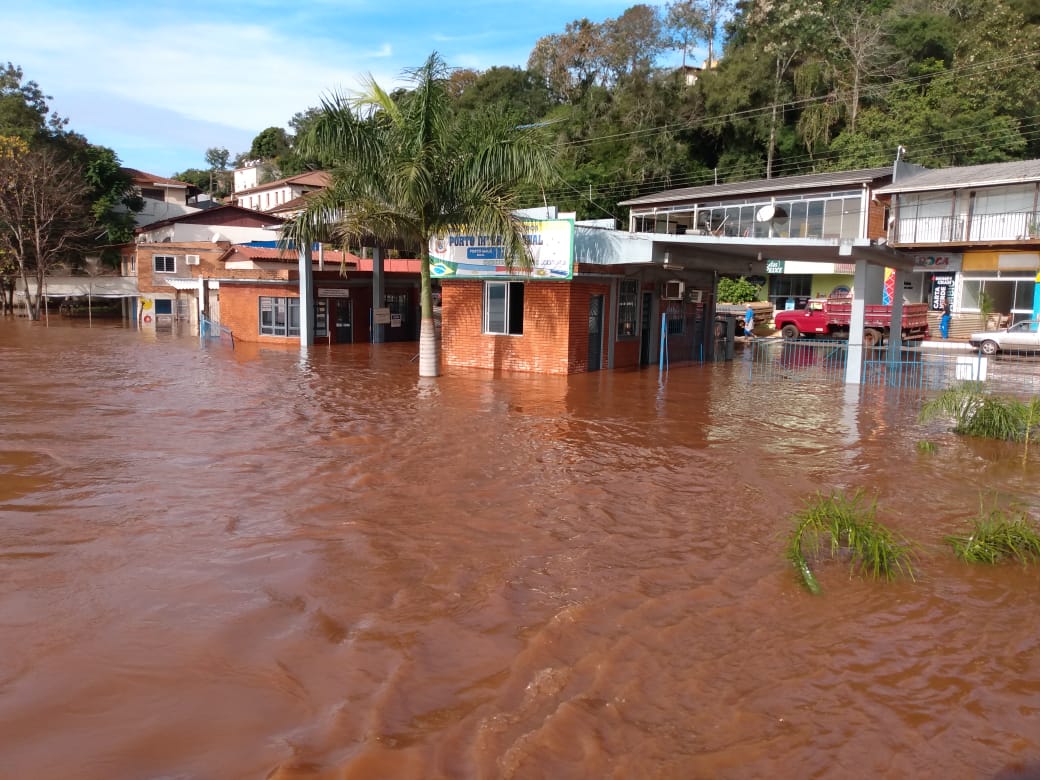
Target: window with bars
628	308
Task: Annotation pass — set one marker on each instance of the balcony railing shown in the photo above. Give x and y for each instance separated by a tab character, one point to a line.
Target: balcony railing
1010	226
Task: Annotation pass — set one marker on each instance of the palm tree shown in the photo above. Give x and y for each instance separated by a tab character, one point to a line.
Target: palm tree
406	168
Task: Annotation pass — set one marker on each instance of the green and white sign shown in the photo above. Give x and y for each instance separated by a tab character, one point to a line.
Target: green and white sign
775	266
551	242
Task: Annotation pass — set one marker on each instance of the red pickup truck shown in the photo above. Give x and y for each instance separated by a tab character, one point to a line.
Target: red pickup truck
829	318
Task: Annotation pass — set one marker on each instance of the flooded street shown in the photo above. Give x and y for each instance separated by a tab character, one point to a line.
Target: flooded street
225	564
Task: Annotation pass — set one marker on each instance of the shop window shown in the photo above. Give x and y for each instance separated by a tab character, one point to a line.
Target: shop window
627	308
163	306
504	308
790	291
279	316
164	264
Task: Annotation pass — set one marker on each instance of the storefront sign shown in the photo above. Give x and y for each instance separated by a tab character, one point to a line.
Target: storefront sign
942	291
775	266
931	263
550	241
395	320
333	292
381	316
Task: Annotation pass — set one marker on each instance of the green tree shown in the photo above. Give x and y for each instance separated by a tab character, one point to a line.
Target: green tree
23	108
404	170
270	144
217	160
113	199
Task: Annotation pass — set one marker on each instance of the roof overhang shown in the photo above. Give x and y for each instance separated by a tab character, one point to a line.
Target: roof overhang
183	284
84	286
732	255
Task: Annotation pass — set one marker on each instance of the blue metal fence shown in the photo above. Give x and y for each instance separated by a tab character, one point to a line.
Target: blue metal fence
211	329
916	369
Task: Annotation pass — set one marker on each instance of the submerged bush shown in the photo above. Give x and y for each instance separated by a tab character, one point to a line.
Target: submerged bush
926	446
852	529
996	536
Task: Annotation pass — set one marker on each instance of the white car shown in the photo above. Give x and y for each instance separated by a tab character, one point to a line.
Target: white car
1020	337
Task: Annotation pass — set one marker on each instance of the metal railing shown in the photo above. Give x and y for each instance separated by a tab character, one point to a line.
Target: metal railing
211	329
1009	226
916	369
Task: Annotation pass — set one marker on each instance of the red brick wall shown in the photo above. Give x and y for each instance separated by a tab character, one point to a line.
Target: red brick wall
556	328
240	310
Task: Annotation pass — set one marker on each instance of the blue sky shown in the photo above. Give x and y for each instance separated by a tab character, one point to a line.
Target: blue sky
162	82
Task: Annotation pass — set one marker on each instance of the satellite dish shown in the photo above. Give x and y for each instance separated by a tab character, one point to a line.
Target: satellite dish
770	213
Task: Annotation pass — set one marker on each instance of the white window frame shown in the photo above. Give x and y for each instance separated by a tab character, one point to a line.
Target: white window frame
510	326
172	263
288	307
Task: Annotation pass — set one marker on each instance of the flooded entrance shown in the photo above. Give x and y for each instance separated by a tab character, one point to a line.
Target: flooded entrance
252	563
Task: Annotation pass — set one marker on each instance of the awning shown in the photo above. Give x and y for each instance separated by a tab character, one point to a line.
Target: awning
183	284
84	286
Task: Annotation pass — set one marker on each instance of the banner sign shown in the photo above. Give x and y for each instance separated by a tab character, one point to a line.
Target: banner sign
551	242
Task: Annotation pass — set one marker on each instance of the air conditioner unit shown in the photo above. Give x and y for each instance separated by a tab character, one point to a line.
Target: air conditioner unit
694	296
191	259
673	290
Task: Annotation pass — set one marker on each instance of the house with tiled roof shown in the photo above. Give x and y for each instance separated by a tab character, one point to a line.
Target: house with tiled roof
163	198
276	194
356	299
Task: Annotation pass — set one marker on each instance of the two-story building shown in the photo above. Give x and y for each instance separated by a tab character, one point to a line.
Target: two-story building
975	233
275	195
842	206
177	263
646	295
163	198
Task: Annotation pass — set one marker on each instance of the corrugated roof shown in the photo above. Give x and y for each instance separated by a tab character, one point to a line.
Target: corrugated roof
988	175
760	186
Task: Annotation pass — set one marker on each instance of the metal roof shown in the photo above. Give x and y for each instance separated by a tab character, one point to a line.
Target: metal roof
988	175
761	186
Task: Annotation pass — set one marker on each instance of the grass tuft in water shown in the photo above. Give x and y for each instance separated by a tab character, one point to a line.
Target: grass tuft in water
927	447
977	413
998	535
850	523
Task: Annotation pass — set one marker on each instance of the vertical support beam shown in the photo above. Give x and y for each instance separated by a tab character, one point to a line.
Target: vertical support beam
378	294
854	363
306	297
611	319
202	304
895	331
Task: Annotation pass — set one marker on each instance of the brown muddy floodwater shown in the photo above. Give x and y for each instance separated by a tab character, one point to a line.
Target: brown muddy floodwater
255	564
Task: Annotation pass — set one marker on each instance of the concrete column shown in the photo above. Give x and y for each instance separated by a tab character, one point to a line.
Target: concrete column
306	297
854	364
378	291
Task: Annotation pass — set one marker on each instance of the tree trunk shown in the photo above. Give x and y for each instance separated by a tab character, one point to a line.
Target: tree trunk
772	120
429	360
32	303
